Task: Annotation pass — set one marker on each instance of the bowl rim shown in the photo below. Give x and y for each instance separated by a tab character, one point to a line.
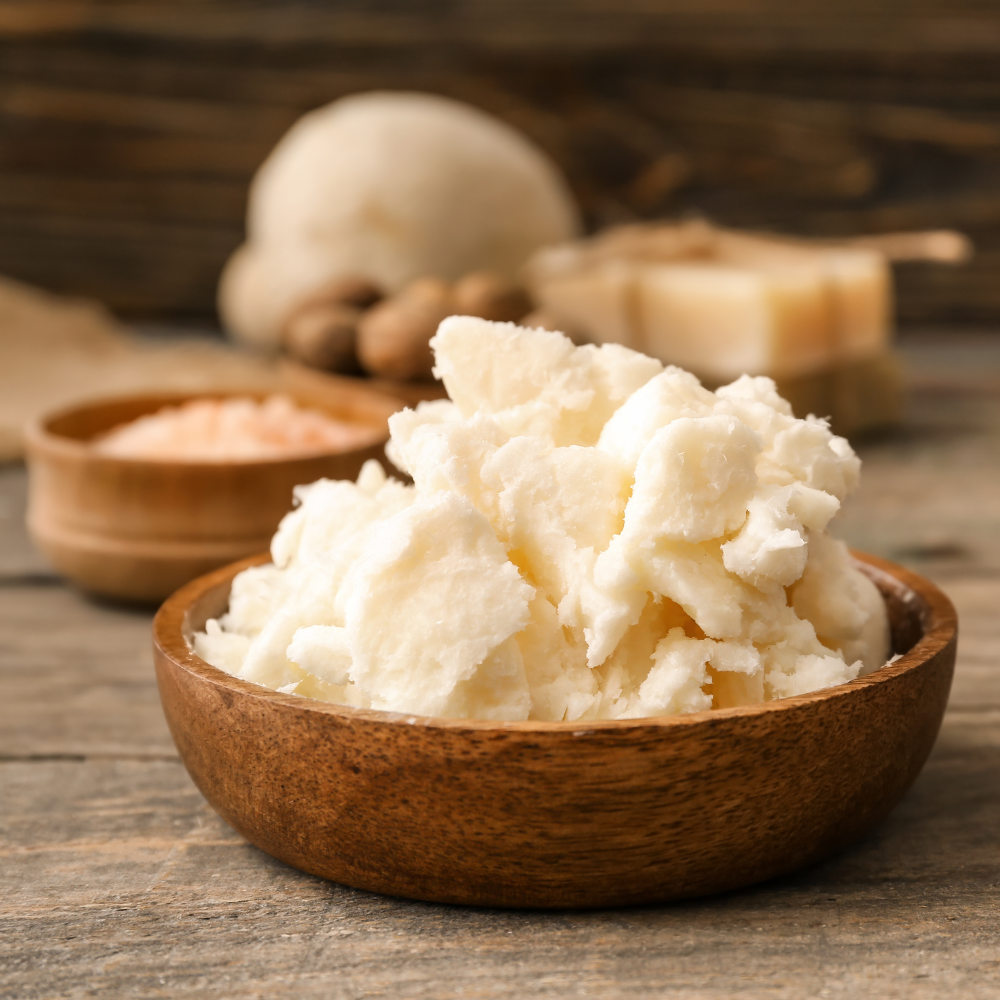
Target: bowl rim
940	629
40	438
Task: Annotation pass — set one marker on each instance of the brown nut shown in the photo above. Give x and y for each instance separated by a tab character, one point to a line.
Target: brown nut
432	293
351	290
491	296
322	335
393	337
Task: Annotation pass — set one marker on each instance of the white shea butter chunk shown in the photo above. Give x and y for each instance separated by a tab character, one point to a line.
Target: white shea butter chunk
588	535
672	394
770	548
693	480
535	381
554	507
843	605
430	601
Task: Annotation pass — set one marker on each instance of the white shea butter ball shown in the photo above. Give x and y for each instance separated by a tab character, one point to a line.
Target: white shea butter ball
390	186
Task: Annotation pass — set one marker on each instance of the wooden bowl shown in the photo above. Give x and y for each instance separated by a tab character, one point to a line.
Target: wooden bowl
137	529
553	815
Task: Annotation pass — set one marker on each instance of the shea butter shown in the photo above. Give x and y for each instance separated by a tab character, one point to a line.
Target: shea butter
588	535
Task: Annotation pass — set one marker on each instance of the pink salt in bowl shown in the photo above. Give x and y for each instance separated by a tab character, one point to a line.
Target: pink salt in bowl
136	529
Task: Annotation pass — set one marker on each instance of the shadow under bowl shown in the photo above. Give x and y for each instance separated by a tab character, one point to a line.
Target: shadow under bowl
558	815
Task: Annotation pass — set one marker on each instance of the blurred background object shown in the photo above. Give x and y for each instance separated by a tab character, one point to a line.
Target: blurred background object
53	350
131	130
136	520
393	187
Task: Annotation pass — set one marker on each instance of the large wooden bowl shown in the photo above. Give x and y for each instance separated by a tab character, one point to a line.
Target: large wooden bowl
579	814
137	530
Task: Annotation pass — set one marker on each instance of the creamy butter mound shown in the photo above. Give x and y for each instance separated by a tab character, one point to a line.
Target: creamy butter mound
589	535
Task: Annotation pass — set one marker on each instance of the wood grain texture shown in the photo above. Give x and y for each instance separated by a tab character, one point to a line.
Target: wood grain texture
132	130
133	886
556	815
75	676
910	912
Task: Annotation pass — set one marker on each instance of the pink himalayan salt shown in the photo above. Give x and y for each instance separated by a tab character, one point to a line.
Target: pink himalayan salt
232	430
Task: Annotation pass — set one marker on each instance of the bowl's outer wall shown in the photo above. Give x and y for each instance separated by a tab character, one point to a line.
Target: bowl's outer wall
559	816
138	530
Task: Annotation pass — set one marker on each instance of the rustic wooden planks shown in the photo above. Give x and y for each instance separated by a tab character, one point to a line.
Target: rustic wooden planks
75	678
130	131
132	886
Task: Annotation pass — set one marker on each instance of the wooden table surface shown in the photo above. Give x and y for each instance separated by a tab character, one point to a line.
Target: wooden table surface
117	879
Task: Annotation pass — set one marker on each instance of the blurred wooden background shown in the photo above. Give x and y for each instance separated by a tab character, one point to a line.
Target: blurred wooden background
130	130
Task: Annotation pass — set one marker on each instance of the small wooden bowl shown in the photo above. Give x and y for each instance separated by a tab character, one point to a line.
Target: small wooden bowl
137	530
553	815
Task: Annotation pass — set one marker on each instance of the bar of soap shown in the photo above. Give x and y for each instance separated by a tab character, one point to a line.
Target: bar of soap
588	535
718	302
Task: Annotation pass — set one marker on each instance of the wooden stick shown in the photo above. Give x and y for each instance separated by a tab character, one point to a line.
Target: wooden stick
945	246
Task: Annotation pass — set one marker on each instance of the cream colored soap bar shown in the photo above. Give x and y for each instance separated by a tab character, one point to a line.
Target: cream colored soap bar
717	302
723	321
